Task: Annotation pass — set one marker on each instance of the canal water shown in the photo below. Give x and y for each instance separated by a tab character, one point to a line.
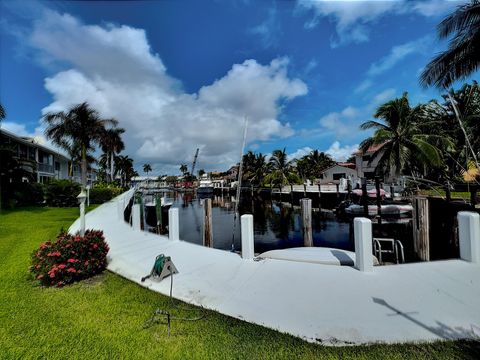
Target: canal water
277	225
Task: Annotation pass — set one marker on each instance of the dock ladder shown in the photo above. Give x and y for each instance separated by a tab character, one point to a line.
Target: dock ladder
391	246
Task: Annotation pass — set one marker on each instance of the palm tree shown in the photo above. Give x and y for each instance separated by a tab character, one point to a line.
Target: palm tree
462	57
112	144
80	125
147	168
282	170
400	135
318	161
183	169
124	167
3	114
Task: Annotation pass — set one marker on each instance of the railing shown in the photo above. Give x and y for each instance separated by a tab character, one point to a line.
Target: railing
46	168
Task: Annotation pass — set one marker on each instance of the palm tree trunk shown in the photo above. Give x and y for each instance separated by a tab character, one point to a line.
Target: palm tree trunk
111	166
84	167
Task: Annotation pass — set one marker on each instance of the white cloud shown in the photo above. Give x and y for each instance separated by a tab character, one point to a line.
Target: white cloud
269	30
13	127
340	123
398	53
299	153
341	153
383	96
114	69
353	18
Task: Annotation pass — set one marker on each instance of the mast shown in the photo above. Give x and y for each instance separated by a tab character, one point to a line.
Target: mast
239	182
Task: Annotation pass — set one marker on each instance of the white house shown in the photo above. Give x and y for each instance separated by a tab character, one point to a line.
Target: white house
336	172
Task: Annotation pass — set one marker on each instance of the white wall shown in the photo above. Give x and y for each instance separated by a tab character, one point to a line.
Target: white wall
337	169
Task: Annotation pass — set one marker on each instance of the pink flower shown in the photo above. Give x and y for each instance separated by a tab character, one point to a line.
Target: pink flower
72	270
72	260
62	266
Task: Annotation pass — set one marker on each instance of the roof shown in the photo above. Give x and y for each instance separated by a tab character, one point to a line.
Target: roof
372	149
331	167
347	164
31	142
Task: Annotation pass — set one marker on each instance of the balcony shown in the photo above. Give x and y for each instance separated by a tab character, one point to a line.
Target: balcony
46	168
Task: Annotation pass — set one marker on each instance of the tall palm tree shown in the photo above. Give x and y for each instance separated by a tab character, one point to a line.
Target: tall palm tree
462	57
401	137
124	167
318	161
147	168
80	124
112	144
183	169
3	114
283	171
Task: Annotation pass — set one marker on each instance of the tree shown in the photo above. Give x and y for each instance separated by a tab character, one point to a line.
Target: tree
80	125
184	169
147	168
462	57
282	170
201	172
400	135
124	168
3	113
112	144
317	162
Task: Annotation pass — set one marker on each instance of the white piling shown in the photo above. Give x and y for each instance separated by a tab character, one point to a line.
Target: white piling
247	237
173	224
363	244
136	217
469	236
82	218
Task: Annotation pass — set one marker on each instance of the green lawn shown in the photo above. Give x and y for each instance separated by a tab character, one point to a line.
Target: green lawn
103	317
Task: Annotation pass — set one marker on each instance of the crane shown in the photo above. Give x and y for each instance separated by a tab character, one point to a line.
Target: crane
194	162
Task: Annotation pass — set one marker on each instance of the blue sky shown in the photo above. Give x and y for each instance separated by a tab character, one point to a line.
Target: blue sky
184	74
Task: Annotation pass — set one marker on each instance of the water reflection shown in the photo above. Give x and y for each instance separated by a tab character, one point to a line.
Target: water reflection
277	225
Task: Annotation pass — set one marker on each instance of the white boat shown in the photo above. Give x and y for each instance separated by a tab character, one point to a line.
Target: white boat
391	209
205	187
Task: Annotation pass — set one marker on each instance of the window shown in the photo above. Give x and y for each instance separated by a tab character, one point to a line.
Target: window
338	176
57	166
366	157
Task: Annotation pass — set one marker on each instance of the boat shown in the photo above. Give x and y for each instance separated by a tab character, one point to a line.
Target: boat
205	187
387	210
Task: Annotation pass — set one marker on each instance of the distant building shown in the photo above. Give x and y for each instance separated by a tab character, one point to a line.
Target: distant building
366	165
334	173
40	161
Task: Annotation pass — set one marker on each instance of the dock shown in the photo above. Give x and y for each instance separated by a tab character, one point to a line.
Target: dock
327	304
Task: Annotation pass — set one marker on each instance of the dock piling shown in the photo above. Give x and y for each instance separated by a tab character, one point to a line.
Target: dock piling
362	228
207	223
469	236
136	217
173	224
306	210
421	228
247	236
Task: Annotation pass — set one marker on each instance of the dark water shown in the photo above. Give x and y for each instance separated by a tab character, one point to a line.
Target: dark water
277	225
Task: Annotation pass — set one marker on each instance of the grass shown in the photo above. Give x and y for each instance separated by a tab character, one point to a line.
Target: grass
103	317
441	192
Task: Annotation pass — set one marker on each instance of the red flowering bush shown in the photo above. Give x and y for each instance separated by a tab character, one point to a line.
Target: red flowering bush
70	258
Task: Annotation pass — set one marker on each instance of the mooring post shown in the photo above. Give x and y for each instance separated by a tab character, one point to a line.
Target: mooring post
362	228
173	224
338	190
247	237
421	228
319	198
306	209
136	217
207	223
469	236
392	191
364	197
473	196
379	203
349	189
448	195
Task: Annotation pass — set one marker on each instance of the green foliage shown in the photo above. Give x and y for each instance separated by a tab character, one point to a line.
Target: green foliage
70	258
102	193
28	193
62	193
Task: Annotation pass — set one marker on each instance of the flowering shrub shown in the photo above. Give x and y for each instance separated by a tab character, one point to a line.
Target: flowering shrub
70	258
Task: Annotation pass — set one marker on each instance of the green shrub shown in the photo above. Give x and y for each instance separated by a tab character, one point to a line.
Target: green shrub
62	193
70	258
103	193
27	193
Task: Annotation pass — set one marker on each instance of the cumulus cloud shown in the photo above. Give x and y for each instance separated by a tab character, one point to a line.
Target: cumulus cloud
341	153
115	70
354	18
299	153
